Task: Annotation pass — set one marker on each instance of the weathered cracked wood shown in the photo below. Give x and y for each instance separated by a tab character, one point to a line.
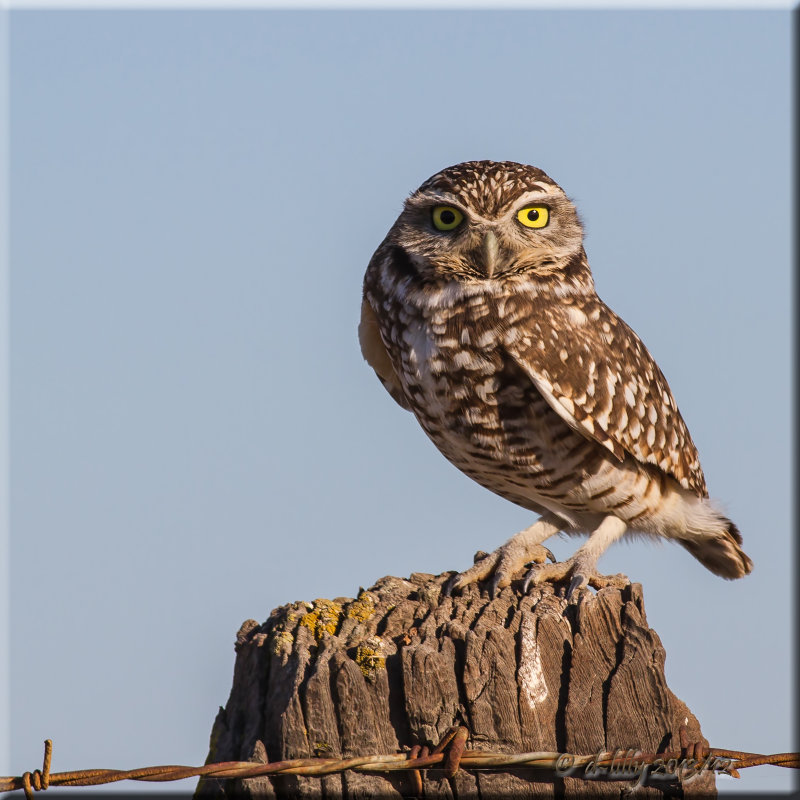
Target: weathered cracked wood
401	664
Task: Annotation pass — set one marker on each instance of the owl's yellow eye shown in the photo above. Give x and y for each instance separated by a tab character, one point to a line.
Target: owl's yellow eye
446	218
534	216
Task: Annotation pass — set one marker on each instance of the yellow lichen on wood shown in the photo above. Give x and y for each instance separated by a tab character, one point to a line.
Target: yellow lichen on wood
362	608
370	658
281	642
323	618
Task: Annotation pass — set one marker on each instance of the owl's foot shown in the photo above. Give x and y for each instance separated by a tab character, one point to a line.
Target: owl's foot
580	569
520	550
500	565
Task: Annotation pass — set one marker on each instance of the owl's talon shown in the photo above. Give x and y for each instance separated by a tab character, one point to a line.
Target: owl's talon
540	573
578	582
580	572
500	566
477	572
447	589
494	587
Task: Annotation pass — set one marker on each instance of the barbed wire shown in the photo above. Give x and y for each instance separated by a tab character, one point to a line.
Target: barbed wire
449	753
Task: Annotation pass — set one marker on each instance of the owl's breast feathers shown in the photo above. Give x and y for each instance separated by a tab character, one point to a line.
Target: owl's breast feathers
588	365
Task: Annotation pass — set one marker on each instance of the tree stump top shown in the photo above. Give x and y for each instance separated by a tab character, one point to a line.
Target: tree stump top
400	664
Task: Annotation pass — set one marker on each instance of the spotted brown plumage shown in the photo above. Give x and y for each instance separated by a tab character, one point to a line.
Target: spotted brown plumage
480	316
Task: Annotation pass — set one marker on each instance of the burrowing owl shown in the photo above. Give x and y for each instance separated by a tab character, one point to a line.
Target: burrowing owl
480	316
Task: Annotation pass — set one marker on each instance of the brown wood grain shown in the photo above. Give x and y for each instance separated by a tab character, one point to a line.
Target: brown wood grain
401	664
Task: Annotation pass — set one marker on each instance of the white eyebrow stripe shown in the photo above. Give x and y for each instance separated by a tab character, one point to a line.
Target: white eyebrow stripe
527	199
539	198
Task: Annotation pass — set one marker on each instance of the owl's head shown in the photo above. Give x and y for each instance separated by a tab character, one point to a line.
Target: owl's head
491	220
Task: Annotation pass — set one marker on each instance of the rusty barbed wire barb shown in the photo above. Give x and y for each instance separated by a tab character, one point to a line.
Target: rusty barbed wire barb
37	780
450	753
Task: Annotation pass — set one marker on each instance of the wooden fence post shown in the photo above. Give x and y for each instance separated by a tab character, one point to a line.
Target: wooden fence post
400	664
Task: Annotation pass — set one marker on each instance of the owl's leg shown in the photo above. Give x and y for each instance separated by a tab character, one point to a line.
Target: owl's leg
519	550
583	564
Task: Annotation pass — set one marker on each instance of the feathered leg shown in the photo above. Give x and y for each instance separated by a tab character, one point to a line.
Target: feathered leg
583	565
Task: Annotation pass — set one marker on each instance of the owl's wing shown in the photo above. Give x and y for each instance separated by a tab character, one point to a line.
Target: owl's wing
596	373
374	352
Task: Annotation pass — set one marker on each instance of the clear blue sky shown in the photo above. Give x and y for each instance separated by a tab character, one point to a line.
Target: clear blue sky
195	438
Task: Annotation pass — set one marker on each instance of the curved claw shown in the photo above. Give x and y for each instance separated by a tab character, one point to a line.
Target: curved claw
550	554
493	590
447	590
578	582
528	578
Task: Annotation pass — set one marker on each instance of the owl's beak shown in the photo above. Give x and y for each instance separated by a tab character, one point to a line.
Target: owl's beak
489	251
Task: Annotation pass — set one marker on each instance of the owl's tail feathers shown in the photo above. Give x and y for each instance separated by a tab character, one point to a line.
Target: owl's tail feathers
719	550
